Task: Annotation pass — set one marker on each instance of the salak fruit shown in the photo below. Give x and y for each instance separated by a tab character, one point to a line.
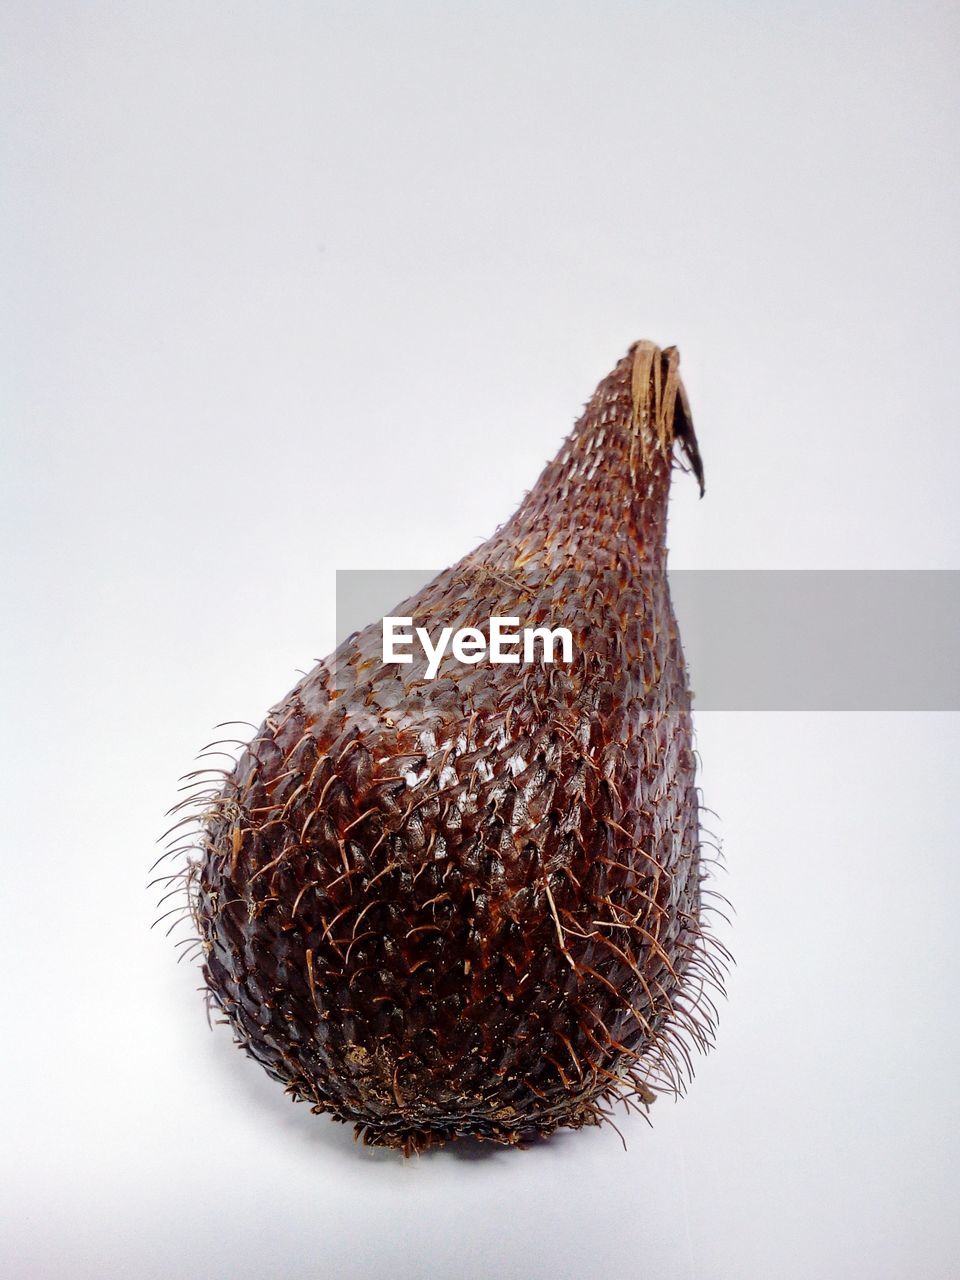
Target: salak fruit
473	905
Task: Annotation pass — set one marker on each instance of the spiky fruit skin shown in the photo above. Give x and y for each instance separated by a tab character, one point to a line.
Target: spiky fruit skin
472	905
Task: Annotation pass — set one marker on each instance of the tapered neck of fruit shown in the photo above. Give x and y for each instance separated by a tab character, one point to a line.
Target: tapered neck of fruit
604	496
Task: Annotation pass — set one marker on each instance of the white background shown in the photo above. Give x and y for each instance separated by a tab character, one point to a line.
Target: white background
296	286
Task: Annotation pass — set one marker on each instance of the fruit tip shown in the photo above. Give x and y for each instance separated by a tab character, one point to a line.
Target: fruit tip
657	387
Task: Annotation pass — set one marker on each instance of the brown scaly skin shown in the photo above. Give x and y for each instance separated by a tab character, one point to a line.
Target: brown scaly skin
472	905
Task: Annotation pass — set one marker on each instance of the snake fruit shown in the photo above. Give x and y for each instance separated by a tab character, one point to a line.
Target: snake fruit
473	904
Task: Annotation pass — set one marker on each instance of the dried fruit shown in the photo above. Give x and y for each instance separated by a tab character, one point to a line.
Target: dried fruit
472	905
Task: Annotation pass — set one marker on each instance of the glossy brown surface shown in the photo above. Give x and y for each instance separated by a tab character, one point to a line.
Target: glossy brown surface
472	905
